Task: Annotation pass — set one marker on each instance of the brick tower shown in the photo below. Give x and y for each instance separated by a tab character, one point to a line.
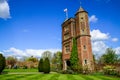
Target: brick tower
77	27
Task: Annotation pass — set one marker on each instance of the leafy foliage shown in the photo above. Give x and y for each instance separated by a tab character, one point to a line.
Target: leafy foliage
2	63
47	54
110	57
57	61
11	61
40	65
74	56
46	65
109	70
33	59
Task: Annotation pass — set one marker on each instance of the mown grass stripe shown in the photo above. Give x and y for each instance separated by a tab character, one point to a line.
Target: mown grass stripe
86	77
70	77
107	78
55	77
38	77
21	77
63	77
8	77
94	77
31	76
20	70
78	77
47	76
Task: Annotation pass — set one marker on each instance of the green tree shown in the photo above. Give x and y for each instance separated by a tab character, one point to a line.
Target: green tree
47	54
57	60
2	63
74	60
33	59
110	57
46	65
40	65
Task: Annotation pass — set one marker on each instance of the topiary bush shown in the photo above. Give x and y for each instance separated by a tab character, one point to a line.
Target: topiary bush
46	65
40	65
2	63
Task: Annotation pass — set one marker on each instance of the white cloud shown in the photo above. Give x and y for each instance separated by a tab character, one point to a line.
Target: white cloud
117	50
93	19
114	39
14	52
98	48
98	44
97	35
28	52
4	9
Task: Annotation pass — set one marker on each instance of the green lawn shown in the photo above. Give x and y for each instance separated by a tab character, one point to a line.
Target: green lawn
32	75
21	70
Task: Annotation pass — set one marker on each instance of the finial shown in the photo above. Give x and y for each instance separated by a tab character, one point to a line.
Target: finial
80	4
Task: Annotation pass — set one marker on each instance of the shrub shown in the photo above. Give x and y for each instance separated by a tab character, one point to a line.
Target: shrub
118	73
2	63
40	65
25	67
15	67
67	72
46	65
109	70
85	69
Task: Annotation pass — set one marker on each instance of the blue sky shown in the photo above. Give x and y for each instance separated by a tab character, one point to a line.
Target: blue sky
33	26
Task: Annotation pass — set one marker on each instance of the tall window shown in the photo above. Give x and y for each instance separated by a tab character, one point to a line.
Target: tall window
67	48
83	31
66	28
84	46
85	61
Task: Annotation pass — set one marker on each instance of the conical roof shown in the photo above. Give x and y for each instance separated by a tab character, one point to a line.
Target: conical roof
80	10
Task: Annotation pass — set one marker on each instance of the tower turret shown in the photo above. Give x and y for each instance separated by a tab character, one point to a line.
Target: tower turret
84	39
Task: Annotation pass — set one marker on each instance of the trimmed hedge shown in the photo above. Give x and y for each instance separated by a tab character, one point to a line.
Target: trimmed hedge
46	65
40	65
2	63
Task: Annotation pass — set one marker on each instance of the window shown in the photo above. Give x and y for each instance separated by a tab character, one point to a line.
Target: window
83	31
66	36
67	47
82	25
84	47
66	28
85	61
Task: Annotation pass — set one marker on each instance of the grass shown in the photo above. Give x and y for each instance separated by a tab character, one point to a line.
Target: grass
32	74
21	70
